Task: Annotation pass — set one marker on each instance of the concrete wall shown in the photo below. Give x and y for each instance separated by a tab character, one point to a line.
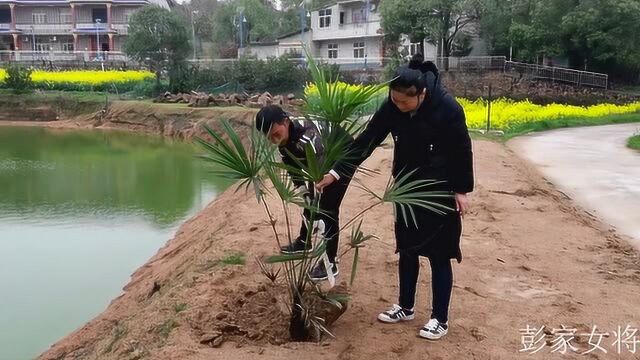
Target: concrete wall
349	28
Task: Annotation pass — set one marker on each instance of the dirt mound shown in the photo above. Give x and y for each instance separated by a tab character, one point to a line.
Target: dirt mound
531	258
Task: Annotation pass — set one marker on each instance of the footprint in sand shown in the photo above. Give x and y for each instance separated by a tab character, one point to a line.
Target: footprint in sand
509	288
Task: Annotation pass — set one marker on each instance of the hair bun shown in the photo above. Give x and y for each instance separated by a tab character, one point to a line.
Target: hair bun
428	66
416	61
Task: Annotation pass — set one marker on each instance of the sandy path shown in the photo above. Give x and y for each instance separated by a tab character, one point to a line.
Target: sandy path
594	166
530	258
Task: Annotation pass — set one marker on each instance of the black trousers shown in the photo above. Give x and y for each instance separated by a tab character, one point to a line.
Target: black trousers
441	283
330	201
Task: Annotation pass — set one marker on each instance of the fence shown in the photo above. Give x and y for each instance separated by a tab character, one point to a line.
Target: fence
67	59
113	59
470	63
553	73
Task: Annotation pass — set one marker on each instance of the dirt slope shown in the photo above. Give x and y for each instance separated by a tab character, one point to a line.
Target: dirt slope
530	258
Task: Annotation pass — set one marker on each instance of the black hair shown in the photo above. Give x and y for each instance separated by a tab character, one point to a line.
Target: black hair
268	115
413	75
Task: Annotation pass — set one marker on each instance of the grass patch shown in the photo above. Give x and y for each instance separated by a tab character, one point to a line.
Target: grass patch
634	142
178	308
234	259
68	103
166	327
118	332
569	122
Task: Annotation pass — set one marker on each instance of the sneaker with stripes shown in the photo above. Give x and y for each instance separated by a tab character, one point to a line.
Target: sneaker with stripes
396	314
434	330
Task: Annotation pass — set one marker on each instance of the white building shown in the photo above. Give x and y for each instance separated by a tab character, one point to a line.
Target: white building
347	32
68	27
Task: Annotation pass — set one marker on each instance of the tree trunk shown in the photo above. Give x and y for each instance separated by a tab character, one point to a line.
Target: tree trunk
297	328
158	73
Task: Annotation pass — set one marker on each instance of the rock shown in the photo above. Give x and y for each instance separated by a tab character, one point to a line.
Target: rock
291	96
234	99
267	94
223	315
477	333
278	100
209	337
255	105
230	328
217	341
264	100
296	102
136	354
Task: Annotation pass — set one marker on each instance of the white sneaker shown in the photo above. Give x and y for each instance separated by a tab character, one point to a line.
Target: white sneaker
434	330
396	314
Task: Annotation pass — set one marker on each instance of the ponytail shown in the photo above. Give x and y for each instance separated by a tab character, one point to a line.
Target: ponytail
413	75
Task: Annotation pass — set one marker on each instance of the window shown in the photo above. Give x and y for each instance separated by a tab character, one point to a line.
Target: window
358	16
342	17
358	49
5	16
333	51
39	18
414	48
43	47
67	47
127	14
65	16
325	18
99	14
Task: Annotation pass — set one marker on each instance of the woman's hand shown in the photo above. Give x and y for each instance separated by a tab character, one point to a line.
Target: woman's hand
327	180
462	204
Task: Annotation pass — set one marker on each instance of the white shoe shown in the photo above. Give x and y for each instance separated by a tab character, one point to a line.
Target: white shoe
434	330
396	314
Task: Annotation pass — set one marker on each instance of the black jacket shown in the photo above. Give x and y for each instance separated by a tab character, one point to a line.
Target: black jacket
301	133
434	142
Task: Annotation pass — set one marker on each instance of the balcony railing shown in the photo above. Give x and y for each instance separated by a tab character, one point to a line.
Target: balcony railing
122	29
92	27
61	56
45	29
348	30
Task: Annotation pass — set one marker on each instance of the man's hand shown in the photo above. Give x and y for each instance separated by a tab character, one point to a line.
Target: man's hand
462	204
327	180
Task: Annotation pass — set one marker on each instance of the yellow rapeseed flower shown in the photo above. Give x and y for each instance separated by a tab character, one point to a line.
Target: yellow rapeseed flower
86	77
506	114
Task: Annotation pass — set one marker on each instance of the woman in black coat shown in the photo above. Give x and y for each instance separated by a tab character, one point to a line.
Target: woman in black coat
431	139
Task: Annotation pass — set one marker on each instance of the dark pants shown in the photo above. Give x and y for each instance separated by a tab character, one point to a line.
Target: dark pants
330	201
441	283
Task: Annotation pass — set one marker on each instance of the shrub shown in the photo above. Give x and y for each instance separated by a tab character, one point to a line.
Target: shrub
18	78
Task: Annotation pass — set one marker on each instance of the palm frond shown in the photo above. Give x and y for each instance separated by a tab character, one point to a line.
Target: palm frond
334	103
234	161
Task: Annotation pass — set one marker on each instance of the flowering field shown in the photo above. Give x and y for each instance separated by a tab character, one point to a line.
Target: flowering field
508	114
87	79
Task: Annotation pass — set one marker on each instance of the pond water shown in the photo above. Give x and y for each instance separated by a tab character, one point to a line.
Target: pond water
80	211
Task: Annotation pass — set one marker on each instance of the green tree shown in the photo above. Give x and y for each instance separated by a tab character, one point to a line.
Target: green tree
263	21
202	14
593	33
437	21
602	33
159	38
